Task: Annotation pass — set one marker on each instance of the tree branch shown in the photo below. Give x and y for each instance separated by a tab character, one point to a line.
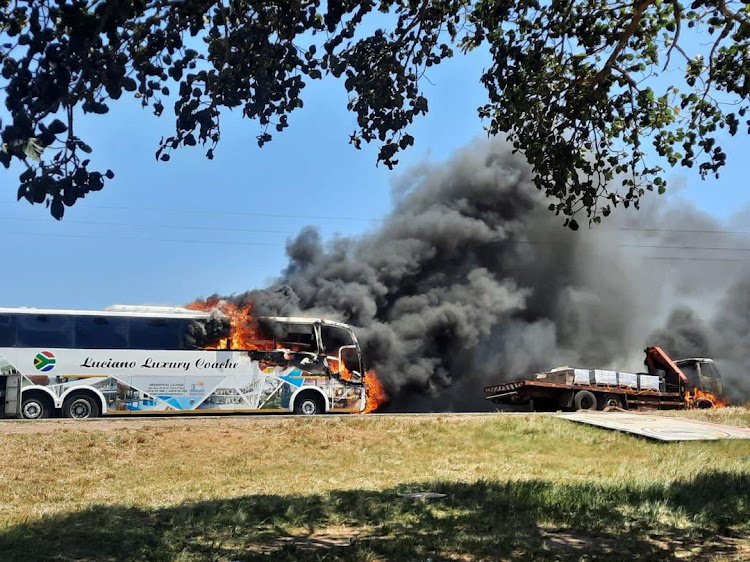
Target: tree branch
678	20
638	11
734	16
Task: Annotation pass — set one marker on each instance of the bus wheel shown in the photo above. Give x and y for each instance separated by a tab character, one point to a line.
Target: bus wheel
585	400
309	404
80	407
35	407
611	401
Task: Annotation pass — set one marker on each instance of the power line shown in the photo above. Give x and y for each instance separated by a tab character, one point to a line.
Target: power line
110	238
691	259
233	213
277	245
333	218
157	226
686	230
668	247
654	246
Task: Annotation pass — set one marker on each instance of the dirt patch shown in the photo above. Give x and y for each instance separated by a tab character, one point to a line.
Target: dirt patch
558	540
716	547
330	538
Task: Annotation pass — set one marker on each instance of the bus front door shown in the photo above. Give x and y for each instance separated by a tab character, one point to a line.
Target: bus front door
10	395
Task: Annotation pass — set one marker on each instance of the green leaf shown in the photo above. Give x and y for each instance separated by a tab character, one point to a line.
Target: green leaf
57	127
57	209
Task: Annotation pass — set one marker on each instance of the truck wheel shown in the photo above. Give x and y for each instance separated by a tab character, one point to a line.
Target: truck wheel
585	400
611	401
80	407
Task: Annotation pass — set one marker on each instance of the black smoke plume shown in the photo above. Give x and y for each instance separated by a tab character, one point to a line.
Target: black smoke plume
471	280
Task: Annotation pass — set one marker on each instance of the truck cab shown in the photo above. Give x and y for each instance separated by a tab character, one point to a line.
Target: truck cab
702	375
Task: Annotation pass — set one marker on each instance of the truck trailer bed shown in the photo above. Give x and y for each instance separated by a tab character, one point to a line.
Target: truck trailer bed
558	395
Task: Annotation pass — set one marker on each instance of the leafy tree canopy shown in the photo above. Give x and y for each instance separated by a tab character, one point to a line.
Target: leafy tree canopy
574	84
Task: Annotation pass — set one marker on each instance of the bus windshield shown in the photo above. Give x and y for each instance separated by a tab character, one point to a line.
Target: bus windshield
340	344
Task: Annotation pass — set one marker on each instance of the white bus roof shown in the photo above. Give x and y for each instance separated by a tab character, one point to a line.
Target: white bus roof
305	320
116	310
147	311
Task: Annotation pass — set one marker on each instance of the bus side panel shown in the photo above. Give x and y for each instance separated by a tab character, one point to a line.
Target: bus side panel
8	360
252	390
341	397
153	381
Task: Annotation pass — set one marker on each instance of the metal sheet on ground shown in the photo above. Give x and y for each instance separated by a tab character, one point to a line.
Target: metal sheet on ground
664	428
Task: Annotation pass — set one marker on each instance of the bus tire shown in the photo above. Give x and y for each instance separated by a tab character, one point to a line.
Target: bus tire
80	407
309	404
36	406
585	400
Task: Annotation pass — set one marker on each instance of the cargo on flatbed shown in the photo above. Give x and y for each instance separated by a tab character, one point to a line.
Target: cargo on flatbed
688	383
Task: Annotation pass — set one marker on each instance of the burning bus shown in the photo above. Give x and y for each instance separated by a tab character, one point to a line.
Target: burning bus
168	360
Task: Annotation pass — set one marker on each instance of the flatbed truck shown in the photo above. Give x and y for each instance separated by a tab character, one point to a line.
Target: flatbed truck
668	385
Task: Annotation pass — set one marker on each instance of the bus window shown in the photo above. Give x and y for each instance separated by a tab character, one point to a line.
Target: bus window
101	332
155	333
7	330
194	334
45	330
297	337
334	338
262	334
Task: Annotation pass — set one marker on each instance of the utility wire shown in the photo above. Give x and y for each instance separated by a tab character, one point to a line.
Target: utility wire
339	217
158	226
654	246
668	247
240	243
690	259
110	238
686	230
232	213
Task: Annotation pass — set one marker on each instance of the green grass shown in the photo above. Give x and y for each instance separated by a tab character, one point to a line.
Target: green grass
516	487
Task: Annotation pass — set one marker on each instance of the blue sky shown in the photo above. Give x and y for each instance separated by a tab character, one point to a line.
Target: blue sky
168	232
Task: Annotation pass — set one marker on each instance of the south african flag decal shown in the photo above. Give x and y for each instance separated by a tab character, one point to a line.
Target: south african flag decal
44	361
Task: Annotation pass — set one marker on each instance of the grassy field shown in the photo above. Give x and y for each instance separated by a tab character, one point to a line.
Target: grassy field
527	487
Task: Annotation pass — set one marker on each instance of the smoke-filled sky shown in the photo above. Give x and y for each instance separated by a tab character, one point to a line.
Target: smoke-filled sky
470	280
164	232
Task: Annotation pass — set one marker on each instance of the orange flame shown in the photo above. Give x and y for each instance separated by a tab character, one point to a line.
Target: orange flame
341	369
700	399
374	391
245	333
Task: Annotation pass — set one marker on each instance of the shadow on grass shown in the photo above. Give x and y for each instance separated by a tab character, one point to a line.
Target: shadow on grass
698	519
